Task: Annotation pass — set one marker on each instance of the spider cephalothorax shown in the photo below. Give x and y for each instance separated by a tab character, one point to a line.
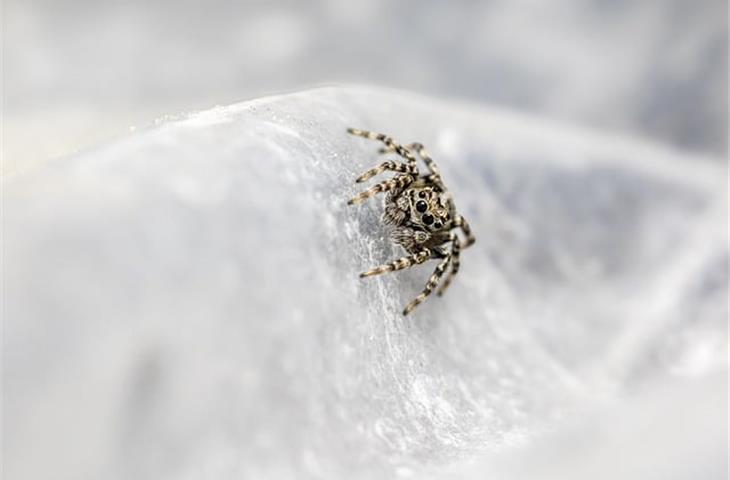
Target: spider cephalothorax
422	212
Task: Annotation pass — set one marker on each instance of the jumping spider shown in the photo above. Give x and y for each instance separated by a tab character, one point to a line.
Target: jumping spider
422	211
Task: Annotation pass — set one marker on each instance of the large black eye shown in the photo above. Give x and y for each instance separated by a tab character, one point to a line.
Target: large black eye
421	206
427	219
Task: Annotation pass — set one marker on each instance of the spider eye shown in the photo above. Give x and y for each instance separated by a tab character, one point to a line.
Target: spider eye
437	225
421	206
422	194
427	219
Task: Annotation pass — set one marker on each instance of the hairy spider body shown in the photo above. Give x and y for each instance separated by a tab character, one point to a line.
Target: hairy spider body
422	212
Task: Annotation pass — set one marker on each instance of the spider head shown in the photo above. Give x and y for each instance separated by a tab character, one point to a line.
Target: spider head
429	208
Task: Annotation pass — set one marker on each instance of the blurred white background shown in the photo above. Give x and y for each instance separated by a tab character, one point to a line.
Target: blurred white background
79	72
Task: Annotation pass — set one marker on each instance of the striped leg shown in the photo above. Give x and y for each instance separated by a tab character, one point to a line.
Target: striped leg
390	145
371	135
455	251
466	229
434	177
389	165
429	180
430	285
419	148
399	182
400	264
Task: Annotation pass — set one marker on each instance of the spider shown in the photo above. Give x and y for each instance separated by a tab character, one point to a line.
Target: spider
422	211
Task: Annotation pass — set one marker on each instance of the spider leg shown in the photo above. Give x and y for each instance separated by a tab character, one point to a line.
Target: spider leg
428	180
390	145
435	173
455	251
430	164
389	165
400	264
399	182
371	135
461	222
430	285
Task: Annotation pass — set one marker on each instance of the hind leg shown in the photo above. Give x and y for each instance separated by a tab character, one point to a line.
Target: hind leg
389	165
390	145
400	264
395	183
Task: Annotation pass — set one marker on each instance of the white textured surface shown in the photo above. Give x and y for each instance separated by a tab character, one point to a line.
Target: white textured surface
184	303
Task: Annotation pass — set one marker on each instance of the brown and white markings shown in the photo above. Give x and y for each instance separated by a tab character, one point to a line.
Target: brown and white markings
422	211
